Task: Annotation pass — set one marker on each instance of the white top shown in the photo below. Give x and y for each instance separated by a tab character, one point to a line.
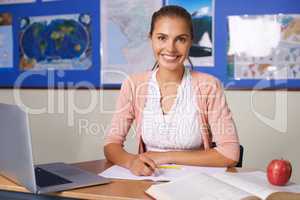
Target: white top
178	129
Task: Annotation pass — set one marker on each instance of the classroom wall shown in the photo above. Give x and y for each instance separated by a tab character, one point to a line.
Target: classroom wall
69	125
72	124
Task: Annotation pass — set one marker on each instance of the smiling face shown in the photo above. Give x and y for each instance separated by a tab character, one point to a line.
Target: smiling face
171	40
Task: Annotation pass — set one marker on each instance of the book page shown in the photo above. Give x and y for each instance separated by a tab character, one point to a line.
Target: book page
195	187
255	183
166	172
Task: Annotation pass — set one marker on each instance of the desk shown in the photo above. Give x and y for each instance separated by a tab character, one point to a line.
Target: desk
117	189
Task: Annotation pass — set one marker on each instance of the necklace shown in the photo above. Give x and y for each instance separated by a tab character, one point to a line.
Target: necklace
167	101
167	117
168	93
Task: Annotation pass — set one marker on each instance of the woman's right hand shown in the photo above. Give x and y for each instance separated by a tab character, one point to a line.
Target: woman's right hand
141	165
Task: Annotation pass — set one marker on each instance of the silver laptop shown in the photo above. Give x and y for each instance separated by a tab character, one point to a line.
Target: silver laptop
16	160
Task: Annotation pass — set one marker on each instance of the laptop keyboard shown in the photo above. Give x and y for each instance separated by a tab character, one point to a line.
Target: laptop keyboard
45	178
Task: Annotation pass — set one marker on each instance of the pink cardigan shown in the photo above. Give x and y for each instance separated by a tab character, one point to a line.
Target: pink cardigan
215	118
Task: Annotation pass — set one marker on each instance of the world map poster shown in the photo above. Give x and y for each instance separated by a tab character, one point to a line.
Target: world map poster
60	42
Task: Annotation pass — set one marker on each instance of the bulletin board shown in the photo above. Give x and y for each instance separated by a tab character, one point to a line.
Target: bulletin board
49	44
219	58
249	9
82	62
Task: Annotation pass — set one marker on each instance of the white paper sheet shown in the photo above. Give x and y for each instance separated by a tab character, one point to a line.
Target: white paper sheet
168	174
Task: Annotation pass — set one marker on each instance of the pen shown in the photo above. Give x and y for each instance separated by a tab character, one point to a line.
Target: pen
169	167
155	171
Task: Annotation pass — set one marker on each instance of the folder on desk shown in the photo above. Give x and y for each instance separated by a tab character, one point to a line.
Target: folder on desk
225	186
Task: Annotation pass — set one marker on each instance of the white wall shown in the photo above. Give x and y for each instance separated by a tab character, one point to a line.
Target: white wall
59	133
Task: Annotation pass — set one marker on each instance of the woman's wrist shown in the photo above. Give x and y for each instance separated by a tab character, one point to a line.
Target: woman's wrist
129	160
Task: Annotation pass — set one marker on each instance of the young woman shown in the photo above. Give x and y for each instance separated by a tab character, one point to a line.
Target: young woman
178	112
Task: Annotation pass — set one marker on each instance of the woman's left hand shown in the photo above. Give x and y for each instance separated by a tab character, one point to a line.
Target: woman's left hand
158	157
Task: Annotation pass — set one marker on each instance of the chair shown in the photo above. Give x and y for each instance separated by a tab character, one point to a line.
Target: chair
240	162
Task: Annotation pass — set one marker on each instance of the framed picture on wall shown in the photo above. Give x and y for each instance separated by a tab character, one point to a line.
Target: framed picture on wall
202	11
6	41
270	53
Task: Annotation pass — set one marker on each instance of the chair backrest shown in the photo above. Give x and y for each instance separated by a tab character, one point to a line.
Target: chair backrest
240	162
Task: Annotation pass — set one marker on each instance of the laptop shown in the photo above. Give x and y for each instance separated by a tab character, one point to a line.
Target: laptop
16	160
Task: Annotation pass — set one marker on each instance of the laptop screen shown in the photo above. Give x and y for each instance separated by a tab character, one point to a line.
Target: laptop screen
16	161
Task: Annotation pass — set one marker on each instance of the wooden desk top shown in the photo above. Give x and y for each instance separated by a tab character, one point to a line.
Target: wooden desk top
117	189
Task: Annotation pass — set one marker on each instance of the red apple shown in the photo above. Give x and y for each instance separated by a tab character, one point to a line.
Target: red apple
279	172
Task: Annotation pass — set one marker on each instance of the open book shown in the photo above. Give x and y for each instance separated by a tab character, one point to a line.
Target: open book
225	186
